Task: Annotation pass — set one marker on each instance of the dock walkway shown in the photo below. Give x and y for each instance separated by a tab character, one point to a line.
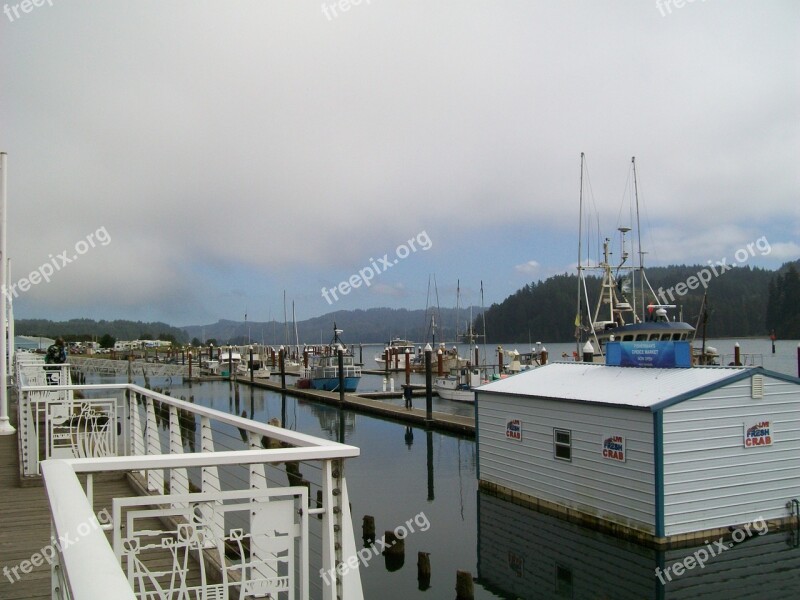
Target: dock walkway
25	523
441	421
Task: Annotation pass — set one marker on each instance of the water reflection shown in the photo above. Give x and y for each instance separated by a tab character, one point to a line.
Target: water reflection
526	554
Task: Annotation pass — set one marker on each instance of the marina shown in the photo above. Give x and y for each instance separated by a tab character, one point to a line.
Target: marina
313	303
434	472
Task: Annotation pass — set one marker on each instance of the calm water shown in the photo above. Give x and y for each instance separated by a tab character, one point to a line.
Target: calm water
404	472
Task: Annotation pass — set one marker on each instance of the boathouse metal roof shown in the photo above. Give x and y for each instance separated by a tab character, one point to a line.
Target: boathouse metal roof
645	388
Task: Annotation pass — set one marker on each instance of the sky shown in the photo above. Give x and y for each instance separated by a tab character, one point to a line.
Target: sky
193	161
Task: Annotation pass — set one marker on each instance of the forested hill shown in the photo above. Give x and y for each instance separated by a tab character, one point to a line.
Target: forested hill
89	329
738	303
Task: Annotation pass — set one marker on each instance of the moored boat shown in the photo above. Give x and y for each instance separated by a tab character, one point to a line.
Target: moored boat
258	367
323	372
460	384
621	314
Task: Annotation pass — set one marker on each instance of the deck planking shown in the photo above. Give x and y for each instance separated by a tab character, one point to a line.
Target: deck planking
25	524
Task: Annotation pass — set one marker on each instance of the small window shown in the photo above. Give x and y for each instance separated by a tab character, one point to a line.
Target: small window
676	336
564	585
627	338
562	444
642	337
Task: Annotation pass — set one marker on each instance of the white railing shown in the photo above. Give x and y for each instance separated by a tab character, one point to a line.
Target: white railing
228	525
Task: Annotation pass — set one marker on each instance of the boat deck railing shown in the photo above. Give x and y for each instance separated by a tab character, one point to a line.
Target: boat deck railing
232	500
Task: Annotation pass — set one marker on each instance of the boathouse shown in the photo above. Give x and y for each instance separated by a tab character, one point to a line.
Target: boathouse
664	455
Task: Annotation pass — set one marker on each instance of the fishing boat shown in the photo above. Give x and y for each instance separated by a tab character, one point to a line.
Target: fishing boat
460	384
621	313
258	366
226	360
323	372
404	349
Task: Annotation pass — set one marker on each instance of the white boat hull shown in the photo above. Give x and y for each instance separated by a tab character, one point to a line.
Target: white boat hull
456	395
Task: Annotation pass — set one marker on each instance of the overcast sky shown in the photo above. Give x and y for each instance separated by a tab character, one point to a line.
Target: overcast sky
219	153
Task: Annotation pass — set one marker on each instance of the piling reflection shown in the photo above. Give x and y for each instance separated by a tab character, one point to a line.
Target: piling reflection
523	553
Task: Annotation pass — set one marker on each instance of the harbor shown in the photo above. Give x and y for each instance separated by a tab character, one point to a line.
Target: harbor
435	475
399	301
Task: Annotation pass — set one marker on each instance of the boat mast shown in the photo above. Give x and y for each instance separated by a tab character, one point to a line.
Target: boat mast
579	317
285	323
296	337
458	295
639	243
483	315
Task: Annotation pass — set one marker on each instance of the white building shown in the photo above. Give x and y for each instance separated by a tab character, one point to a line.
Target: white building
663	455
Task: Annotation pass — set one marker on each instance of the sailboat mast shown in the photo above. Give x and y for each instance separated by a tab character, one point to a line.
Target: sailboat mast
483	315
639	242
296	337
579	317
285	324
458	296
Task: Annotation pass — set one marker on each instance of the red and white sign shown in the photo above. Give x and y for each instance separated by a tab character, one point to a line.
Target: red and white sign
758	433
614	447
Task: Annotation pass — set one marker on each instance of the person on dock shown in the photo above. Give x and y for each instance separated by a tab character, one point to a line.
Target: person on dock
56	355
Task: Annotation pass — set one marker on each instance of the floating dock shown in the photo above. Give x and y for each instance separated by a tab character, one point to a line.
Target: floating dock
370	405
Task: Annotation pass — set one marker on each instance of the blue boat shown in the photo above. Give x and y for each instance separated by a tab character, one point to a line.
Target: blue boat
323	372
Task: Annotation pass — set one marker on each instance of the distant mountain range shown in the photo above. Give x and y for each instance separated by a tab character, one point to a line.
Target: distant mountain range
376	325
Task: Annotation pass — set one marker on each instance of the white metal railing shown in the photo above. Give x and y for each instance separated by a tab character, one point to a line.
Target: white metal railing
226	524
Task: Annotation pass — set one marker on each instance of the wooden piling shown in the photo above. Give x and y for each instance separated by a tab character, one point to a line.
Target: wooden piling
543	357
440	362
428	386
465	589
408	367
737	355
341	374
588	352
394	545
424	570
499	359
368	529
283	368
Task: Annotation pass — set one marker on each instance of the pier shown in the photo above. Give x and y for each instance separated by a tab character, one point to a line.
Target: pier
115	491
107	366
364	404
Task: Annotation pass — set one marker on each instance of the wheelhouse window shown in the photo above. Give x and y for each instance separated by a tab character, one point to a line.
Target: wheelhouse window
562	444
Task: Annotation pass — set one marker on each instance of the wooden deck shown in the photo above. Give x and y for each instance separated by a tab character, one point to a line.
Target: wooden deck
25	523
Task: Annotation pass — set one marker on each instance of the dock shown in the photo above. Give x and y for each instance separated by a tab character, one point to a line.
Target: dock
25	524
122	497
372	406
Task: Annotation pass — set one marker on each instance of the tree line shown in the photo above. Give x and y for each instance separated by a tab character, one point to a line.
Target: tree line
743	301
103	332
